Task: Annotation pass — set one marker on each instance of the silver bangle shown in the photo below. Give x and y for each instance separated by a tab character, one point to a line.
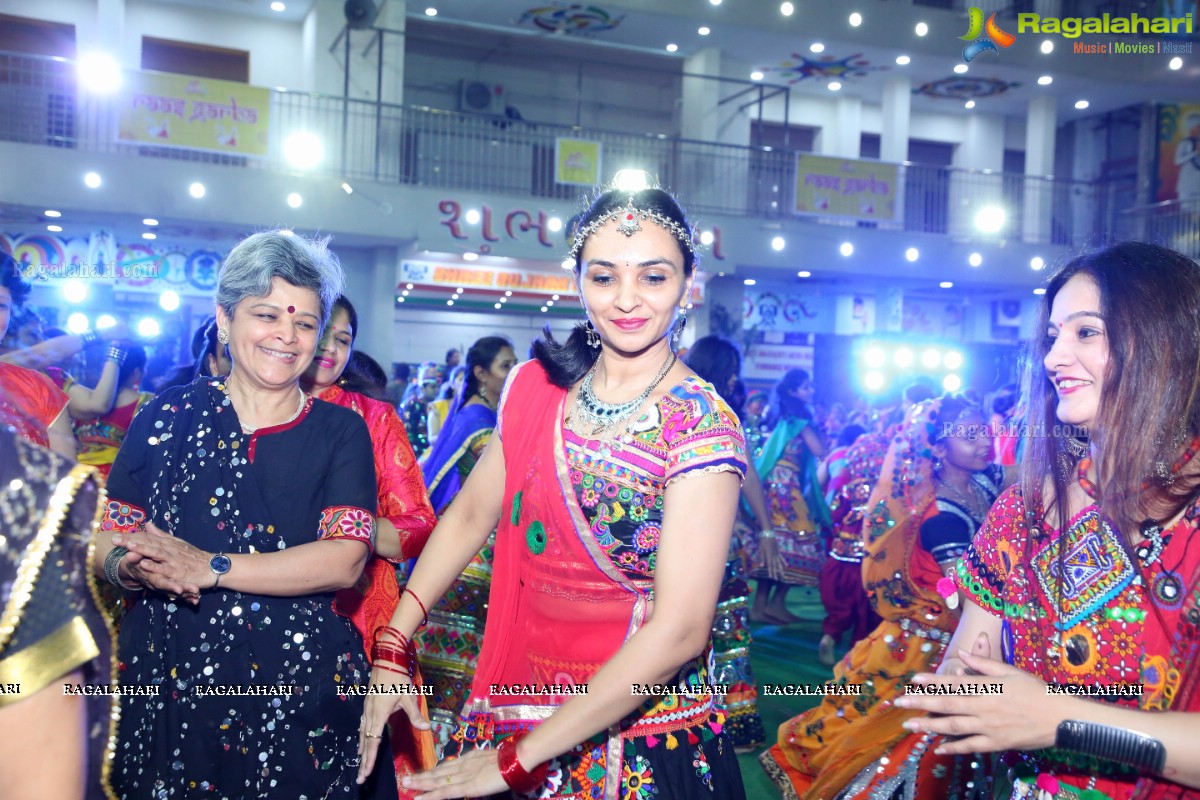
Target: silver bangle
112	565
766	533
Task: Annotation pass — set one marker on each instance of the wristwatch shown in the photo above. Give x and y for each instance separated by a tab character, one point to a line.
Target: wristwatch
219	564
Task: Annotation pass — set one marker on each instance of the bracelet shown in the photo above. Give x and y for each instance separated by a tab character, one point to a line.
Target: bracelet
1144	753
117	354
766	533
516	776
424	613
112	563
89	339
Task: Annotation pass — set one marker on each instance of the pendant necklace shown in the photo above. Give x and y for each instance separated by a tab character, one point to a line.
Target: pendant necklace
605	419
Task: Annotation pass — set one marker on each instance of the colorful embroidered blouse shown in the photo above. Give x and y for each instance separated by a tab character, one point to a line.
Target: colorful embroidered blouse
1092	620
690	430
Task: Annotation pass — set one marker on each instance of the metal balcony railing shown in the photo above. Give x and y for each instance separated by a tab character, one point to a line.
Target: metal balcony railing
1174	224
367	140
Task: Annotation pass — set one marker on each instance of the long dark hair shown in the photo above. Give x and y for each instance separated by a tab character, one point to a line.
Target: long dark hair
481	354
567	362
1150	398
783	404
718	361
211	343
344	302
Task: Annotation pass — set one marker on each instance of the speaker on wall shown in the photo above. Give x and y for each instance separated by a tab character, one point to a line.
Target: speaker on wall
360	13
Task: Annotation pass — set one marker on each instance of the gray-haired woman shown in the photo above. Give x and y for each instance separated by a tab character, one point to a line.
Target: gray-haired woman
237	507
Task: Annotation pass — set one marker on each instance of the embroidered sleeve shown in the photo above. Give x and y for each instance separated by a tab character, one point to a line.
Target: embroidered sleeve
122	517
703	435
984	568
132	472
350	495
348	522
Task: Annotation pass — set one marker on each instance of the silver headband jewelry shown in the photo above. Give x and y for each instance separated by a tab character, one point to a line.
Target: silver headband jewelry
631	217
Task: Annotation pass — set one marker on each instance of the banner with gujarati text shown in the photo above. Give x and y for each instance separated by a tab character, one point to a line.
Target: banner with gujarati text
194	113
844	187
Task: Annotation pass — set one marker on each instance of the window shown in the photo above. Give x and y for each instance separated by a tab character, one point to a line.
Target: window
201	60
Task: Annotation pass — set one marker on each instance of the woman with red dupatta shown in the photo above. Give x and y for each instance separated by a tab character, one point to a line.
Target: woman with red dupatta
1087	572
614	475
405	516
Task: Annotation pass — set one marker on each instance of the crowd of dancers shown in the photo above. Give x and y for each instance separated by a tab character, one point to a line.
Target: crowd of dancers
282	575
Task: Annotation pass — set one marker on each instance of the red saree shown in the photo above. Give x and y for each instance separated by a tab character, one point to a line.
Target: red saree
29	402
403	502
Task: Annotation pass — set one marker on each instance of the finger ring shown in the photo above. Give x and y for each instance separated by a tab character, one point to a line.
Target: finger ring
370	735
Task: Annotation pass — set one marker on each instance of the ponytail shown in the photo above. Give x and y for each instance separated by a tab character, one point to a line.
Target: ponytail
568	362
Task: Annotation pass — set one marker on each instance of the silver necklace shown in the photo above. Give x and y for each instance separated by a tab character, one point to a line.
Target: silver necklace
292	418
604	417
974	501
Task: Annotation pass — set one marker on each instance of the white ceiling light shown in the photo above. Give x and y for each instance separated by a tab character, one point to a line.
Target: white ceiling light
568	263
946	284
960	69
54	228
671	48
1175	63
470	256
472	216
704	30
1037	263
1039	291
903	60
1045	80
715	2
803	274
631	180
554	224
1081	104
855	19
303	150
196	190
99	72
749	281
975	259
295	200
990	219
969	104
1048	46
50	212
92	180
912	254
150	221
835	86
756	76
431	12
787	9
278	6
847	249
706	238
149	235
778	243
817	47
169	300
922	29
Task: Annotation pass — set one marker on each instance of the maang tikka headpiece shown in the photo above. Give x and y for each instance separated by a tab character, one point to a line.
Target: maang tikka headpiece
631	217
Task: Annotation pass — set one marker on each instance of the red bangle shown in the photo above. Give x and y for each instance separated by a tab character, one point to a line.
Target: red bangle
424	613
516	776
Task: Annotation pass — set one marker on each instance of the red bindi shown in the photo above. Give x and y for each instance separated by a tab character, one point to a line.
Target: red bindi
291	309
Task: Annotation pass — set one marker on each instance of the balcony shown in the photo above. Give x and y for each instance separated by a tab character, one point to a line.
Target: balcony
421	146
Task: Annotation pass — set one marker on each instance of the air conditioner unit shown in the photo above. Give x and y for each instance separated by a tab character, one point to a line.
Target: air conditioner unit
480	98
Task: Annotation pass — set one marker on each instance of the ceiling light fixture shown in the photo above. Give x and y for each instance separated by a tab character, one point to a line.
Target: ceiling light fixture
787	9
704	30
817	47
960	69
835	86
903	60
1045	80
856	19
922	29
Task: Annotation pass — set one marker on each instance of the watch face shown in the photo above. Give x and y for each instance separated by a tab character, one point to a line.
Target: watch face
219	564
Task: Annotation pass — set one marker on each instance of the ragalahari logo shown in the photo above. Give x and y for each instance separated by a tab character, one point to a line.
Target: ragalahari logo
996	37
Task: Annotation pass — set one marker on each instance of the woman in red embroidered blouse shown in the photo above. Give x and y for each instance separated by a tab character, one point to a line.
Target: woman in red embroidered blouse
1086	573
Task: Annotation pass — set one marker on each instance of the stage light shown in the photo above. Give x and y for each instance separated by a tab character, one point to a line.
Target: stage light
953	360
930	358
951	383
990	219
75	290
903	357
169	300
105	321
874	357
148	328
630	180
99	72
873	381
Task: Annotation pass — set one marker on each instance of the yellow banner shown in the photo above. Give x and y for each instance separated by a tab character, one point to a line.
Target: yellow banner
194	113
845	188
577	161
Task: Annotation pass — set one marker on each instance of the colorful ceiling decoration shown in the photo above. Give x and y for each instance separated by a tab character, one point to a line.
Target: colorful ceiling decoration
965	88
800	68
573	18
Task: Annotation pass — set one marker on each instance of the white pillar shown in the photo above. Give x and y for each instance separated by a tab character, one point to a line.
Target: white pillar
977	180
842	136
700	95
377	316
321	70
393	17
110	32
1040	127
897	108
